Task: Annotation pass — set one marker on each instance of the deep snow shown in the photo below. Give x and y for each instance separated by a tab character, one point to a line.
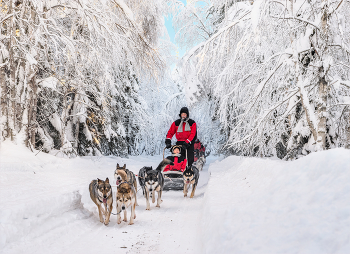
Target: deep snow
249	205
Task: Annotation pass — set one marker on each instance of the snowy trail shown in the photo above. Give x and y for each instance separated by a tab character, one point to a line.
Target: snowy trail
248	205
52	212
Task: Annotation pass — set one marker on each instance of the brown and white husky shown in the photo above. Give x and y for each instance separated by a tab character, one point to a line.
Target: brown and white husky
126	196
101	193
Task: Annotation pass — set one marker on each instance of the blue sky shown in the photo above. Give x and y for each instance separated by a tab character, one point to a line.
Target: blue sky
171	32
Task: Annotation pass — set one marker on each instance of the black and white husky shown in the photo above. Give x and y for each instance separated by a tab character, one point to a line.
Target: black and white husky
152	180
190	176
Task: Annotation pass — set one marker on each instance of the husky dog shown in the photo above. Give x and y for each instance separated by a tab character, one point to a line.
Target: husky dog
142	172
126	196
122	174
190	176
101	193
152	180
199	164
141	177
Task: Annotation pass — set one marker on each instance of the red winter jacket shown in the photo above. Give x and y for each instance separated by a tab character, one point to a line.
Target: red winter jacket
187	136
179	164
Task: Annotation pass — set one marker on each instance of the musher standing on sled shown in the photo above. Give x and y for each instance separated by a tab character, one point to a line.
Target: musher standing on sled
185	131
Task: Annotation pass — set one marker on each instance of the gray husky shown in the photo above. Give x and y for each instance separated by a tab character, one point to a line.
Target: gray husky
199	164
101	193
190	176
152	180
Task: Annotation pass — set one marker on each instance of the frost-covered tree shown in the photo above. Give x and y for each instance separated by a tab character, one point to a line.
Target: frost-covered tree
191	23
280	73
69	72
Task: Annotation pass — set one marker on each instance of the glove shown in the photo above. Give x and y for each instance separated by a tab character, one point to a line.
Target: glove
167	143
185	145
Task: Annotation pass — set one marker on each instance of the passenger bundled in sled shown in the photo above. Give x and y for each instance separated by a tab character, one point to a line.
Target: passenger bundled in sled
199	150
179	160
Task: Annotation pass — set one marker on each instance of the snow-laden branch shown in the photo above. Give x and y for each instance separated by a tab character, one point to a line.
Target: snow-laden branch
299	19
214	37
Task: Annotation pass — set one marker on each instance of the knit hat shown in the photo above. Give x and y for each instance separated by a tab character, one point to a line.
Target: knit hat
184	110
174	147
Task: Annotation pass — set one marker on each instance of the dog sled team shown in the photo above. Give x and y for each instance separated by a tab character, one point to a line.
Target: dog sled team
184	164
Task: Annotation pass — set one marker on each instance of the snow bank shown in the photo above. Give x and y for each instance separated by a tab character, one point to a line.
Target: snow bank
38	216
267	206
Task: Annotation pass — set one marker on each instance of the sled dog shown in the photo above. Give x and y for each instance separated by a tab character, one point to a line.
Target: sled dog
142	172
101	193
122	174
126	196
141	178
199	164
190	176
152	180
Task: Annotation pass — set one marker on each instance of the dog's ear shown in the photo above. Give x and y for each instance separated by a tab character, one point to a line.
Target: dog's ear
99	181
107	180
117	165
124	166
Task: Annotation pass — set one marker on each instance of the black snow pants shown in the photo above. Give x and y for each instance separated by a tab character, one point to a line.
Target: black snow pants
190	152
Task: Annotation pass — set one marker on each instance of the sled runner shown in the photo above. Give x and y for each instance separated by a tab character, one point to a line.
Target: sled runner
173	179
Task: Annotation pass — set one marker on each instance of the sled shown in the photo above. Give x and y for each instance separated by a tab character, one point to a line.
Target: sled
173	180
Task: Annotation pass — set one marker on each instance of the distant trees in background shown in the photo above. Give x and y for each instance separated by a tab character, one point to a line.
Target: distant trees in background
261	78
276	74
71	73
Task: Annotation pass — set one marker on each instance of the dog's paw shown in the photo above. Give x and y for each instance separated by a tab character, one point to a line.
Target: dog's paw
185	195
192	195
125	220
119	221
106	223
135	216
131	223
158	206
147	208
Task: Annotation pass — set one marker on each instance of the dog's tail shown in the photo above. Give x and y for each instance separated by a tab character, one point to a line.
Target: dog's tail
163	164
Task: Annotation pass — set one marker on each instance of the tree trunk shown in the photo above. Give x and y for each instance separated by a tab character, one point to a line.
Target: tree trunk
321	112
32	108
3	99
12	91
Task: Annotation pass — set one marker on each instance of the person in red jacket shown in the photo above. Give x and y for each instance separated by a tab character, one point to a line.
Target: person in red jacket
178	160
185	131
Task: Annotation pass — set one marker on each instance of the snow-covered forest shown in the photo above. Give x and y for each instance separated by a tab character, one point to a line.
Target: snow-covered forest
261	78
88	85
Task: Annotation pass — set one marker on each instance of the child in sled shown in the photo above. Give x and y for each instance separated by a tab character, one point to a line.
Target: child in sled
178	160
